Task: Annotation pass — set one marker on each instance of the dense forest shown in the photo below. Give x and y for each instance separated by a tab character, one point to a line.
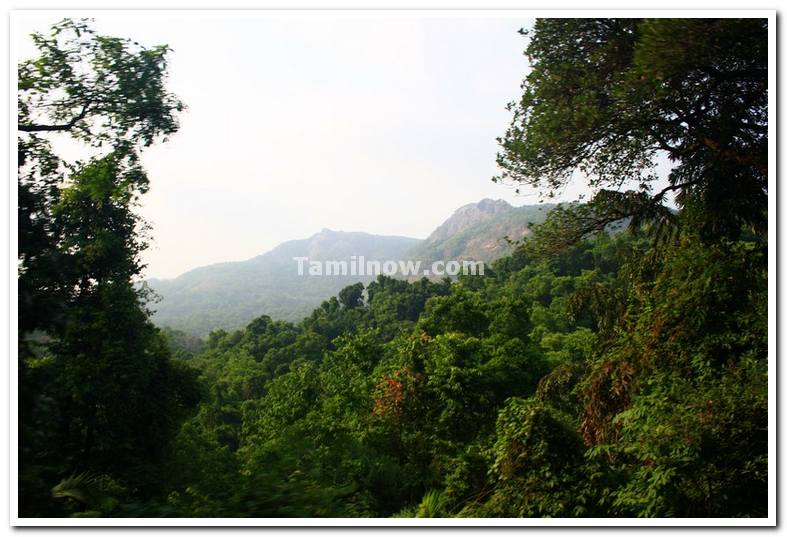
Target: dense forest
588	374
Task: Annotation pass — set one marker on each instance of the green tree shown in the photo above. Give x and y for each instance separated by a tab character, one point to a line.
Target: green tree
98	392
352	296
103	91
607	96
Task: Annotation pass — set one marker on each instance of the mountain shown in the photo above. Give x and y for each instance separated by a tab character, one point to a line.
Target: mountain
478	231
229	295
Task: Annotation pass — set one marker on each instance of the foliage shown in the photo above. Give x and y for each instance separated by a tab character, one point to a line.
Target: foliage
608	96
100	399
595	372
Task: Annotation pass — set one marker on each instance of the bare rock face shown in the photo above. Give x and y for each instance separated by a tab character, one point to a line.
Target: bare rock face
478	231
468	216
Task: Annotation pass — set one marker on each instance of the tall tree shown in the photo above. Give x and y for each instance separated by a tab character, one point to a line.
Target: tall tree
98	391
105	92
607	96
671	404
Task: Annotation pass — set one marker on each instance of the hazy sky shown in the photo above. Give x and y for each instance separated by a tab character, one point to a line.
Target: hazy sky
298	123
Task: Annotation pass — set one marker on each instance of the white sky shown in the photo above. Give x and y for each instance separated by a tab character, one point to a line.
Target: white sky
297	123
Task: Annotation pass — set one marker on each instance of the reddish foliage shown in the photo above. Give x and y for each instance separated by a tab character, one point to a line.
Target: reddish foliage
395	395
608	393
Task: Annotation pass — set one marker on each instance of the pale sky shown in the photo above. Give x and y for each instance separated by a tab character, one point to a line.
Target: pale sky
302	122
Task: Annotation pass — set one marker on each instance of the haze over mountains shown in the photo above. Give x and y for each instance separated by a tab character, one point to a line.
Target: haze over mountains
229	295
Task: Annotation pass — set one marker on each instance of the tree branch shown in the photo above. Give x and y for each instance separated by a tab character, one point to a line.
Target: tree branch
62	127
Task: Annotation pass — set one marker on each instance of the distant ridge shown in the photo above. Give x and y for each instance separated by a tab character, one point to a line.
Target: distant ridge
229	295
478	231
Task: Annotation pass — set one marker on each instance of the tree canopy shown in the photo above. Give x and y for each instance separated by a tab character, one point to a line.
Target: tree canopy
100	399
609	96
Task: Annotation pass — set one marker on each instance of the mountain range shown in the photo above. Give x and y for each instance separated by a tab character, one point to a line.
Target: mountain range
229	295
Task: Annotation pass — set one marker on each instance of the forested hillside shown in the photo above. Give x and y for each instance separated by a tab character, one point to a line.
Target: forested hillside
550	387
583	375
229	295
